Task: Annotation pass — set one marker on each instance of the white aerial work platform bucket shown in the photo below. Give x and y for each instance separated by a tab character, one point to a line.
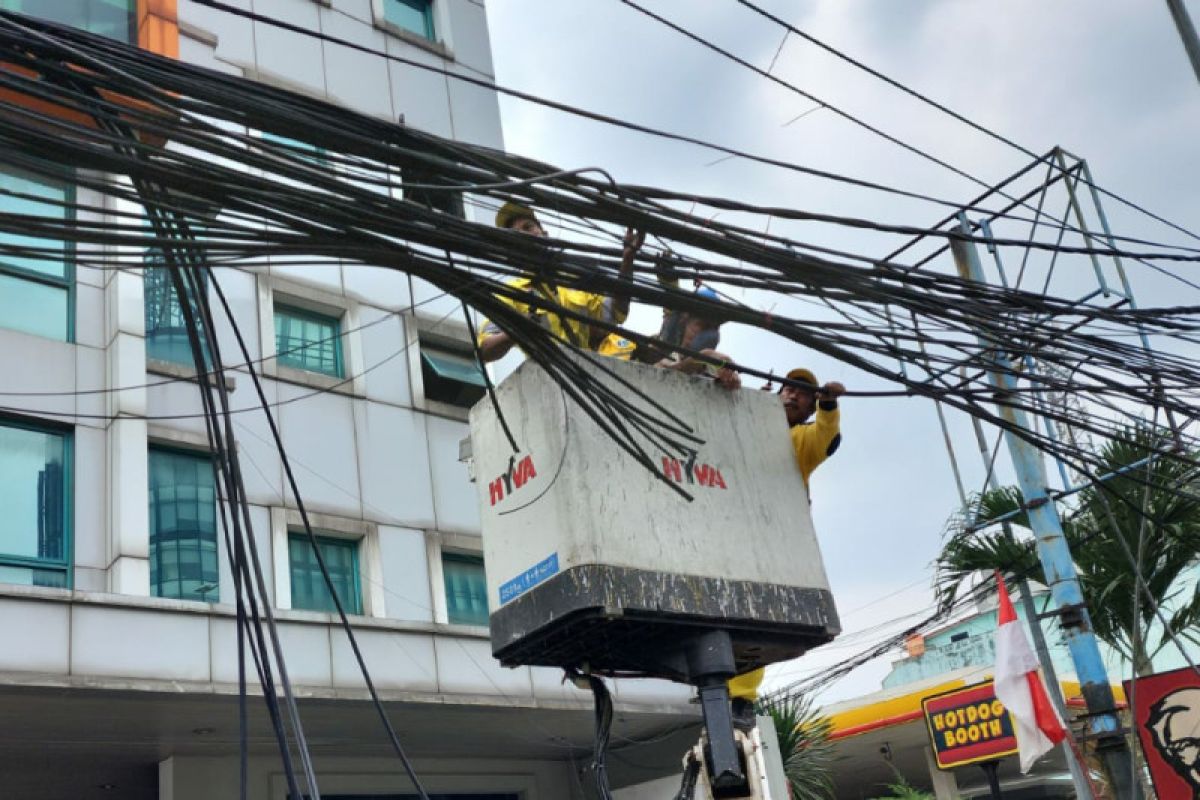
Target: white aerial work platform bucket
593	563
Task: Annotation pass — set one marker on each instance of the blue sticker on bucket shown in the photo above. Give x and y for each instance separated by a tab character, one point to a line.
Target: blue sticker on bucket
529	578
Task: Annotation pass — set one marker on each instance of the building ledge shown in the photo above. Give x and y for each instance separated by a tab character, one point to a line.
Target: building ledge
155	366
127	601
93	640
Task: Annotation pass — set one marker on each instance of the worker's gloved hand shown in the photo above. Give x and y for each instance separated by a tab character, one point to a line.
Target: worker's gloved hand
722	372
831	391
633	243
728	378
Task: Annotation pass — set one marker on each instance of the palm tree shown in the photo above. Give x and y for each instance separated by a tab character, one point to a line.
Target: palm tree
901	789
808	752
1105	527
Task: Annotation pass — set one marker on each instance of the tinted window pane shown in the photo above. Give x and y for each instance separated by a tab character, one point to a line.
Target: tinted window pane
466	589
308	341
166	331
32	495
308	152
113	18
33	307
309	590
411	15
54	261
30	576
183	531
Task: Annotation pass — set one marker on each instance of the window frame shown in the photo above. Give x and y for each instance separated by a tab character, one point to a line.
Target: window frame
67	281
304	314
440	43
132	39
286	521
448	554
272	291
426	12
67	563
356	605
213	596
452	337
437	544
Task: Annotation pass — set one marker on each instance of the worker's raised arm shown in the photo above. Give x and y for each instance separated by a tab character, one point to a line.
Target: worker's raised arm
494	346
620	299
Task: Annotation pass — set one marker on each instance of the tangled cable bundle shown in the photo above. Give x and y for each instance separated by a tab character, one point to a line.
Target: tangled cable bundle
216	171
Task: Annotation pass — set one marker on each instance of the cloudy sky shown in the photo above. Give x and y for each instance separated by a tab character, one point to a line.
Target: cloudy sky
1106	79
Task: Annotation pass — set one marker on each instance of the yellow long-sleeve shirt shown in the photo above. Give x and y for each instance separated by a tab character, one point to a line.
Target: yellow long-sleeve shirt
812	442
815	441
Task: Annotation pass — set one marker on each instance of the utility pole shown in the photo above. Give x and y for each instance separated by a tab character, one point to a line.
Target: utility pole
1187	32
1083	788
1104	726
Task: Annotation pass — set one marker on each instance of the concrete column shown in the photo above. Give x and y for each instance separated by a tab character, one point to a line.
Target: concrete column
128	540
945	785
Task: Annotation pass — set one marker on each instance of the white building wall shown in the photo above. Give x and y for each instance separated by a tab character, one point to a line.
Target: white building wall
372	456
370	452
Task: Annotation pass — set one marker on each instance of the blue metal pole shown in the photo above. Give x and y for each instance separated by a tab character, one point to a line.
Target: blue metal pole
1055	556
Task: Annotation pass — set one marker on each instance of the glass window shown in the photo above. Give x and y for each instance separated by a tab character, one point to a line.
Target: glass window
447	201
309	152
35	498
166	330
451	376
113	18
309	590
415	16
183	526
35	280
466	589
307	340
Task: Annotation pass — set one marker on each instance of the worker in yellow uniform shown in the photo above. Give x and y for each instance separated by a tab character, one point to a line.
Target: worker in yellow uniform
495	343
813	441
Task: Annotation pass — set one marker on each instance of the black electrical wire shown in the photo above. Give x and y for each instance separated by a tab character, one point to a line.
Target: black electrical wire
575	111
792	29
276	201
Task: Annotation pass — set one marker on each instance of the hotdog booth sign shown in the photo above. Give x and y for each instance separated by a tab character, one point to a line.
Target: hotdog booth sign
968	726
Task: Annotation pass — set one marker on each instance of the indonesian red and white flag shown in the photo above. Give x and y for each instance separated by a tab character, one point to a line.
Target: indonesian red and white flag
1019	687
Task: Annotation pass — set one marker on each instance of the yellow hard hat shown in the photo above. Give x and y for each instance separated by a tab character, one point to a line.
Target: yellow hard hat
802	375
510	212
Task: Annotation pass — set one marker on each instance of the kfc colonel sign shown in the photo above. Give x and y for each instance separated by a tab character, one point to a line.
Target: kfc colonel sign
1167	719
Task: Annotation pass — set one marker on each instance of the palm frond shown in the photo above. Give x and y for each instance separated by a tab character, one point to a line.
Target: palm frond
808	752
1148	503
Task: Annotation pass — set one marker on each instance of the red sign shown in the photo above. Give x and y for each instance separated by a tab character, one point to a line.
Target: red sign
1166	715
968	725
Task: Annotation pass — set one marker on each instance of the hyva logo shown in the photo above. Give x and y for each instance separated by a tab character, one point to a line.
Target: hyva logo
690	472
519	473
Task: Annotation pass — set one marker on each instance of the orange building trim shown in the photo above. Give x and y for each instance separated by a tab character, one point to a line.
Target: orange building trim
157	32
158	27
